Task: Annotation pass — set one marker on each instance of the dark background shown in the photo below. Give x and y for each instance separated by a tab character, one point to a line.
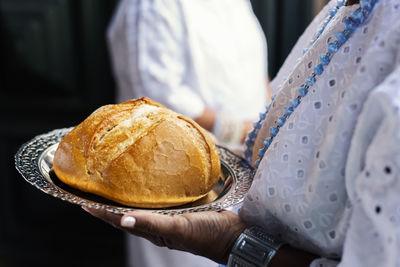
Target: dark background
54	71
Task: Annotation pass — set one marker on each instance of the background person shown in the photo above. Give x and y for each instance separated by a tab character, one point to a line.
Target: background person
204	59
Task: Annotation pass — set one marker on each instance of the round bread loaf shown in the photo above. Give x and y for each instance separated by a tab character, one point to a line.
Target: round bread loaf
140	154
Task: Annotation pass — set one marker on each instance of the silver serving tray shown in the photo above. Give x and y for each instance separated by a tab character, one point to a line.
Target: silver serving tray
34	161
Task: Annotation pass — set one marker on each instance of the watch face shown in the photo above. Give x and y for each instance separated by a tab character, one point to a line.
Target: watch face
254	247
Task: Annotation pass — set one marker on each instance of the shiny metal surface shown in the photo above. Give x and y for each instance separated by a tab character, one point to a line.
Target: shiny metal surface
35	159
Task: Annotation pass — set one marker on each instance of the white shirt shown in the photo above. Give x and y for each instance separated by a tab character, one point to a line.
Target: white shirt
330	181
189	55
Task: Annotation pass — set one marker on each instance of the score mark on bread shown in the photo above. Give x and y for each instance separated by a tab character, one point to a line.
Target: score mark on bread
140	154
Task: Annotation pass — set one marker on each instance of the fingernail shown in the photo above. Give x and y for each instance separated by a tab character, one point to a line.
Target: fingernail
128	222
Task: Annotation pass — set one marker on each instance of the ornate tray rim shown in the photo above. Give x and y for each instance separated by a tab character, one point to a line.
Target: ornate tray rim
29	155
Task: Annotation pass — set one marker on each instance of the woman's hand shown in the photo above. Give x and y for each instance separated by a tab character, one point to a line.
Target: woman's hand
210	234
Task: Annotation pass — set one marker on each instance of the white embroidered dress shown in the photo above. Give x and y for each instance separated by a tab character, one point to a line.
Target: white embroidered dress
330	181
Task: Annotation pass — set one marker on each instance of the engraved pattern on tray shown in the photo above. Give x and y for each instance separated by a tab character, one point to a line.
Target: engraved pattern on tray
34	160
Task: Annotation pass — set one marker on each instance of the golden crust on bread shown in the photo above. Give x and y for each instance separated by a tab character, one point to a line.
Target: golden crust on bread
140	154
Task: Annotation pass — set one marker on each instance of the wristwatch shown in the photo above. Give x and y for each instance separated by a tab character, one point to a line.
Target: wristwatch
253	248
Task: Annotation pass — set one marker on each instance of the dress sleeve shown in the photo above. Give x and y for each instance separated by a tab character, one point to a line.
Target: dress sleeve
158	56
373	182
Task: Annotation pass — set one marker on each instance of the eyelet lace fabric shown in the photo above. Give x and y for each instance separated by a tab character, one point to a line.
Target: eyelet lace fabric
329	181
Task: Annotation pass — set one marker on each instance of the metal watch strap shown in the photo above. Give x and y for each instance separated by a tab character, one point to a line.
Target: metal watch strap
253	248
